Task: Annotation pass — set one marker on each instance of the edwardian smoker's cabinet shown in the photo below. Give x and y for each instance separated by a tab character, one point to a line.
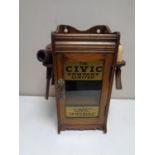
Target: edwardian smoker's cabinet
82	66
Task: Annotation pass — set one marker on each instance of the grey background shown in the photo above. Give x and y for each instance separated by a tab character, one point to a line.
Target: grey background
39	17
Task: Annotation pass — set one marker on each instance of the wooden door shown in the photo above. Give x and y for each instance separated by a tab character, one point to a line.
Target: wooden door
82	81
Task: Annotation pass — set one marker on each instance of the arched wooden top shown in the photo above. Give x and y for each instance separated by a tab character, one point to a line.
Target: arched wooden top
98	29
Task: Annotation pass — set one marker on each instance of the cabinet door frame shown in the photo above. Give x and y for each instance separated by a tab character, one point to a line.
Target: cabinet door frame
60	58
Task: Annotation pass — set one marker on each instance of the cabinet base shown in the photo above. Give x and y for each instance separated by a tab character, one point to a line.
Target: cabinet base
83	127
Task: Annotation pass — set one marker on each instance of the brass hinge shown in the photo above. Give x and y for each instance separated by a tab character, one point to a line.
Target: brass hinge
61	85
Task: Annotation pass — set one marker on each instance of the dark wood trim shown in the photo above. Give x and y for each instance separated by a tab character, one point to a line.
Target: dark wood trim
111	83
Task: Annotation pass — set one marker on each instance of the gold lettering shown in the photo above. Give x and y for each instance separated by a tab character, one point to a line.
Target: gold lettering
83	70
82	111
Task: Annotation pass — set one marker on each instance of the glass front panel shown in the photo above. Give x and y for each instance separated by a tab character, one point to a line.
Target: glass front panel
83	83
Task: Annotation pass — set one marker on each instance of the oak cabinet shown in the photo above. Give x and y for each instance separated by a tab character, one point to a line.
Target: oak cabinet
82	64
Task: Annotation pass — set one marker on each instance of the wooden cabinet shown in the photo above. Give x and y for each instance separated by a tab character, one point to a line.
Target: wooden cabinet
83	65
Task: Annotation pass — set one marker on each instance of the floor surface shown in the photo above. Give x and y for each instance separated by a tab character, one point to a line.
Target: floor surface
38	131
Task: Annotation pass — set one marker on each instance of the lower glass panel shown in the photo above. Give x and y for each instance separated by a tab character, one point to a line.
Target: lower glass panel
83	98
83	83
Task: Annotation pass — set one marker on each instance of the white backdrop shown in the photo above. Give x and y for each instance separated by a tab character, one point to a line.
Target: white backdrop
39	17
